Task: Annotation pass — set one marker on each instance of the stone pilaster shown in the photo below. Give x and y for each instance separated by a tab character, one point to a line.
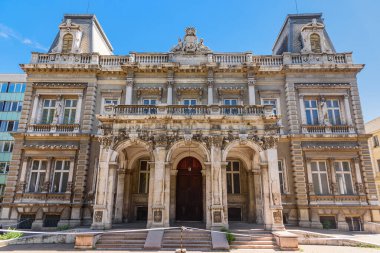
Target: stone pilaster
26	108
258	196
119	196
291	108
356	107
251	88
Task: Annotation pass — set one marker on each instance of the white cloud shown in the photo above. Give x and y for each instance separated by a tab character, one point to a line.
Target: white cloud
8	33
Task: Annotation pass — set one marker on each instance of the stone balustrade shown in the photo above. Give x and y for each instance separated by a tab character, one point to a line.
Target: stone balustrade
163	109
220	58
61	128
322	129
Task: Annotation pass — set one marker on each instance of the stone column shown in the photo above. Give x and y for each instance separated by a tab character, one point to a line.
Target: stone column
267	217
126	196
169	99
302	110
119	195
173	187
110	195
33	117
79	109
24	168
251	199
157	205
217	206
102	213
208	196
258	195
49	167
251	89
276	204
210	91
347	109
129	91
358	175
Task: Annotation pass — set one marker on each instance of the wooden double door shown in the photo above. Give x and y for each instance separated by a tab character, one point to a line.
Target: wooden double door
189	198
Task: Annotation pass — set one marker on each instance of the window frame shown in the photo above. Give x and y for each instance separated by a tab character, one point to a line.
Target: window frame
283	176
6	168
38	187
61	171
333	118
315	43
311	110
72	110
51	109
231	173
264	101
319	174
104	104
342	172
145	172
67	43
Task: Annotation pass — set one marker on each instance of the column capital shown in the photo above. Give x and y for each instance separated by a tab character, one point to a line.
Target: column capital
301	96
355	159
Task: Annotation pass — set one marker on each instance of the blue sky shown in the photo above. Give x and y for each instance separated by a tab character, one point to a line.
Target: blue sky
238	25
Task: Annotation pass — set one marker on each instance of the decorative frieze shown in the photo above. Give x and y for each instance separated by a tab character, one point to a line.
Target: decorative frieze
59	85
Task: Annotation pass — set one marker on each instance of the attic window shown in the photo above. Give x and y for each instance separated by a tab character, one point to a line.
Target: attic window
315	42
67	43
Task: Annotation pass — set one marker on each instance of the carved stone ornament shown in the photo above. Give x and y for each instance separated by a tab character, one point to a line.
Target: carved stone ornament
157	216
217	217
277	216
58	85
190	44
98	216
360	188
276	199
268	142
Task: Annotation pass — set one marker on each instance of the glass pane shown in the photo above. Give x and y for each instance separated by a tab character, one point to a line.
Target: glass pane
324	184
236	183
335	103
337	118
346	166
236	166
228	168
35	165
143	182
67	165
143	165
337	166
46	103
233	102
229	183
58	165
281	182
314	166
280	166
308	118
33	180
43	165
348	181
41	182
57	178
227	102
315	117
314	103
65	178
317	190
322	166
341	184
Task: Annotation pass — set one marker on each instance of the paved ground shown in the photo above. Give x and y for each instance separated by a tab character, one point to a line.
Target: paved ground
50	248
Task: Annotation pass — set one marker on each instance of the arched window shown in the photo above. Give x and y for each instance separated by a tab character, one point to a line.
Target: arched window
315	42
67	43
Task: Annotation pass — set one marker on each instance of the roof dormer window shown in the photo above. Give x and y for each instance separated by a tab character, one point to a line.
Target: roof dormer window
67	43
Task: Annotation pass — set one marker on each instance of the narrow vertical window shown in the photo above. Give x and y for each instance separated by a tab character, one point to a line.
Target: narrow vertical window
233	177
48	111
150	104
4	167
333	110
70	111
311	110
273	103
375	141
315	43
67	43
344	177
144	177
37	175
319	176
61	176
282	176
230	102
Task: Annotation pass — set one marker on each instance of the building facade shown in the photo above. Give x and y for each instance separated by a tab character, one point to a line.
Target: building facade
12	88
373	128
191	134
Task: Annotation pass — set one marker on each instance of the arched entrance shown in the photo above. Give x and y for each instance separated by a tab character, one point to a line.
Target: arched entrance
189	201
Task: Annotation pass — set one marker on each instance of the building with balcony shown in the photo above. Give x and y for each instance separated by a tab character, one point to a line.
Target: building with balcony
12	88
191	134
373	128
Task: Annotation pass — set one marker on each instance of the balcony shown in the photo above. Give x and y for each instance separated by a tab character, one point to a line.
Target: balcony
323	129
191	110
54	128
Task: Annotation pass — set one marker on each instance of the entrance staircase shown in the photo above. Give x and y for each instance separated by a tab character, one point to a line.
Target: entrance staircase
198	240
257	238
122	241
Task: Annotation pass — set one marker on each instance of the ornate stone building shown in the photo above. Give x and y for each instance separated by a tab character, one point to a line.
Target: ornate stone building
191	134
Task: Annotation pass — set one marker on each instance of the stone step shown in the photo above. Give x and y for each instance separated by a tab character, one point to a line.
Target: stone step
259	238
252	242
116	241
252	246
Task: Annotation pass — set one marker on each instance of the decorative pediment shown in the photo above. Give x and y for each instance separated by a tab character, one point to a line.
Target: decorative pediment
68	26
313	38
223	91
149	91
190	44
72	30
314	26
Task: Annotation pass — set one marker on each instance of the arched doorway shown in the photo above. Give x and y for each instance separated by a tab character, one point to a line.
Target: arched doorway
189	201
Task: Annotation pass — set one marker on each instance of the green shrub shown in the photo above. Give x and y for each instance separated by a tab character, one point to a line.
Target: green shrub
11	234
229	236
63	227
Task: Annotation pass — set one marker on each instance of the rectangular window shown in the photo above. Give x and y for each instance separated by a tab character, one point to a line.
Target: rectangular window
11	87
70	111
231	102
6	146
344	177
61	176
144	177
311	110
4	87
319	177
8	126
333	110
233	177
282	175
19	106
273	103
51	220
152	102
378	165
26	221
48	111
4	167
108	102
37	175
354	223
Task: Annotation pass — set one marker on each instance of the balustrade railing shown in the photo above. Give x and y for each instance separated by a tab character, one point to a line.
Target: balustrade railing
322	129
223	58
228	110
61	128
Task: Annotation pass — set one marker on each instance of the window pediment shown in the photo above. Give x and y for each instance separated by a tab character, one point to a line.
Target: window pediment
59	85
226	91
151	91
